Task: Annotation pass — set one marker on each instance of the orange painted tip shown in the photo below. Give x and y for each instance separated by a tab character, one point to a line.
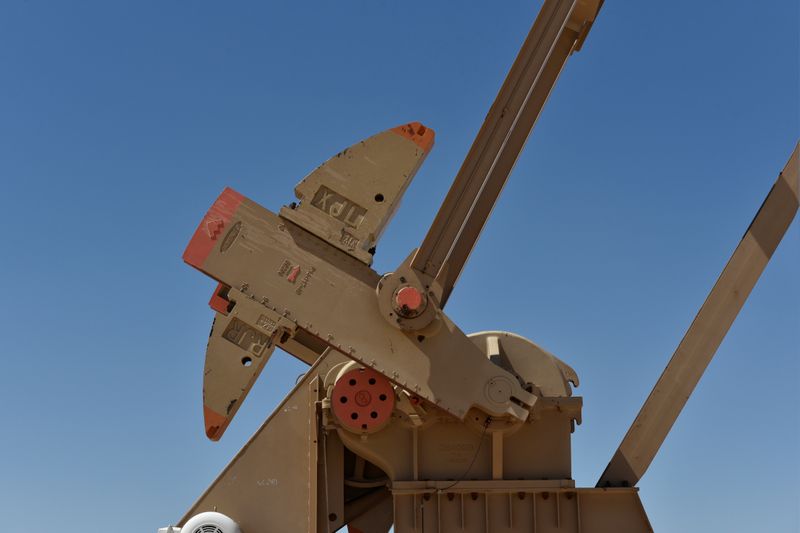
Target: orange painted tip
421	136
216	424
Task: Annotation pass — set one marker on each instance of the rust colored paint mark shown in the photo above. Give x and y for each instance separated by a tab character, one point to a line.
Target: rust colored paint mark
421	136
292	277
353	529
214	228
218	301
217	218
216	424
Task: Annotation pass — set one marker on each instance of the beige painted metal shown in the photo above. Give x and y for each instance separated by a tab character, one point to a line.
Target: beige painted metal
707	331
375	173
485	475
331	296
294	473
378	515
429	443
239	346
480	436
349	199
303	346
553	376
432	471
559	29
289	476
267	476
516	507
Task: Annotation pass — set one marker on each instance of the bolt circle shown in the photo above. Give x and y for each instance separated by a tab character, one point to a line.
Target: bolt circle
362	400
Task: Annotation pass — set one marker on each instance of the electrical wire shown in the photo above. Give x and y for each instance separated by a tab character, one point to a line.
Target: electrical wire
474	457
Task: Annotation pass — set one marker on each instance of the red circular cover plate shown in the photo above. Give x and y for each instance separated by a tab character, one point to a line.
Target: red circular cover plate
363	400
408	297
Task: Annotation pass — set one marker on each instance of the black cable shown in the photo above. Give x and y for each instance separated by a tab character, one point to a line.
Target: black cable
474	457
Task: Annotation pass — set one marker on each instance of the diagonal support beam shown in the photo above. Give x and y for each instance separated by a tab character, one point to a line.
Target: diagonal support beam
706	333
559	30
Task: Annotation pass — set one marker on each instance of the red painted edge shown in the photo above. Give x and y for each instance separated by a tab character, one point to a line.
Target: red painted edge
215	423
212	227
419	134
218	302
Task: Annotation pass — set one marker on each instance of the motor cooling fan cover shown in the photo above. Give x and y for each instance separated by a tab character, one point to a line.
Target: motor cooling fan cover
211	523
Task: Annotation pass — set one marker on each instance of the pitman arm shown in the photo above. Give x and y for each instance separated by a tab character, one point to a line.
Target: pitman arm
559	30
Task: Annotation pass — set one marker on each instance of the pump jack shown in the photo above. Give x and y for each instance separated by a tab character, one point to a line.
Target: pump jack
402	420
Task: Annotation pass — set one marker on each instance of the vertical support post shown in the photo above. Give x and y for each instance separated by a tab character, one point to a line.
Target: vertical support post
497	455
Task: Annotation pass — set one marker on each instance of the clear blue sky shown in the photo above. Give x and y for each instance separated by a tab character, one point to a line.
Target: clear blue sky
121	122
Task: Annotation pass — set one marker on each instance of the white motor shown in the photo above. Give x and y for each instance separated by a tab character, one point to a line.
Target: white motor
206	523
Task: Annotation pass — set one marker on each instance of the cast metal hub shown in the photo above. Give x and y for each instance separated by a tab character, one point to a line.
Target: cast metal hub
362	400
409	301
